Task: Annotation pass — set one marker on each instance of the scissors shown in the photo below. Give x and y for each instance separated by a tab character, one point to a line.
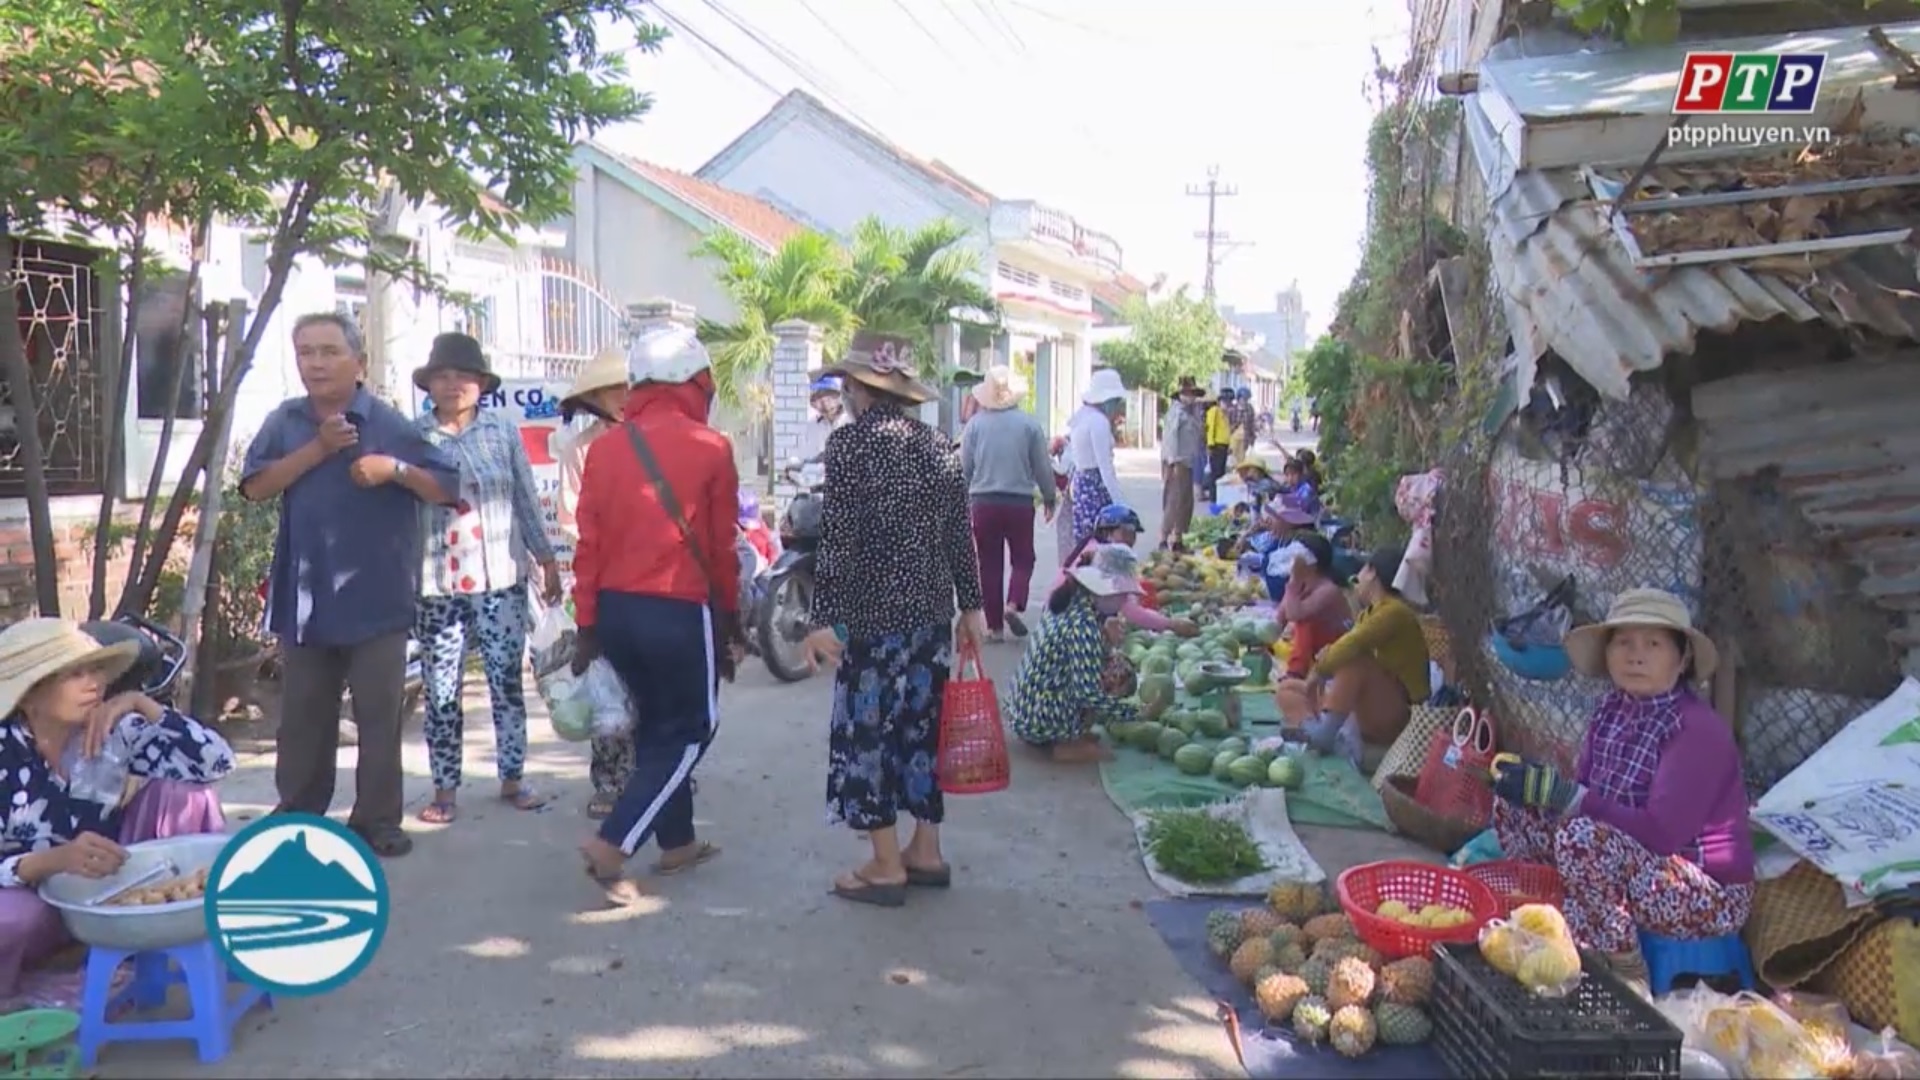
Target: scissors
1470	732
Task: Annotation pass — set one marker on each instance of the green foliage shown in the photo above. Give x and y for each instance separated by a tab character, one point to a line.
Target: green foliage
904	282
242	557
1379	420
1636	22
1175	336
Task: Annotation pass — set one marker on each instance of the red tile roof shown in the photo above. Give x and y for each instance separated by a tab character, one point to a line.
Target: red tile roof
743	214
1116	293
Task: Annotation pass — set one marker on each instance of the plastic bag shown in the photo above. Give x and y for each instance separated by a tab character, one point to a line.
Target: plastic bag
1820	1015
1545	622
1534	948
568	708
1753	1037
606	699
1893	1060
550	639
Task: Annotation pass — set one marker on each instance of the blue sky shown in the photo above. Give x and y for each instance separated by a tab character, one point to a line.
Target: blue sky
1108	109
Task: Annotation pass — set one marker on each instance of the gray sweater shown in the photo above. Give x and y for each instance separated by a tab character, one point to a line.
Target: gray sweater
1004	454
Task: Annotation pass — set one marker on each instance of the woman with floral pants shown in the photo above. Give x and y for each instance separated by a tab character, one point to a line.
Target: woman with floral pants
473	595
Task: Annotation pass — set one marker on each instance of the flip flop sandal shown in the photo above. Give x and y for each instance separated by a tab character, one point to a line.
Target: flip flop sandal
705	852
388	843
619	890
525	797
868	892
930	878
440	812
600	807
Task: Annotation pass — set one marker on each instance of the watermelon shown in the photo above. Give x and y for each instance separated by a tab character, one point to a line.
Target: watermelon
1156	663
1286	772
1147	736
1171	740
1236	744
1246	770
1156	691
1223	761
1193	759
1210	722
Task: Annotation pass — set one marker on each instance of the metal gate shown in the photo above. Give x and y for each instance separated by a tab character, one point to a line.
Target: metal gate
60	321
547	320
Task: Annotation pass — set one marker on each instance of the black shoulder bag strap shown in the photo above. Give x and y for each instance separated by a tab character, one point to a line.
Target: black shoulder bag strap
671	504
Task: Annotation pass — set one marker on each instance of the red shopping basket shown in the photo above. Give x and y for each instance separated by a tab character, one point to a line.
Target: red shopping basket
973	745
1455	779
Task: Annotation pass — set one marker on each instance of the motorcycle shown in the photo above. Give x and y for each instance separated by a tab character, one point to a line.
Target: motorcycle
783	617
157	666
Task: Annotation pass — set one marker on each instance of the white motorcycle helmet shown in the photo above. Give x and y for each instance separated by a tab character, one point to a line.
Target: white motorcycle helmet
666	354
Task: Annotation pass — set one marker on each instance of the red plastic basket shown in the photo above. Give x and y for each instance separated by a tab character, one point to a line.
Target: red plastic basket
972	758
1364	888
1455	780
1516	882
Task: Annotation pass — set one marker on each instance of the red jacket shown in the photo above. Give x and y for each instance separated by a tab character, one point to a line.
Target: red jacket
628	542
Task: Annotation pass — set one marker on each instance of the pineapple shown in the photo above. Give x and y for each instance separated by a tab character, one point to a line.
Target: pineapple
1223	932
1289	934
1252	955
1351	1031
1334	950
1321	927
1297	900
1316	973
1407	982
1259	922
1310	1019
1287	957
1349	983
1401	1025
1277	994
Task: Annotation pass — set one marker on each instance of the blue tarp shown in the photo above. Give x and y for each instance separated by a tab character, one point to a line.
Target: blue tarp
1272	1054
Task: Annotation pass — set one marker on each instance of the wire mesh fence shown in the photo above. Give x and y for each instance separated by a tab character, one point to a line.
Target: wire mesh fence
1605	493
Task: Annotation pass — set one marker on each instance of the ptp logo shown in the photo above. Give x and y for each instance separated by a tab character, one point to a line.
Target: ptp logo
1749	83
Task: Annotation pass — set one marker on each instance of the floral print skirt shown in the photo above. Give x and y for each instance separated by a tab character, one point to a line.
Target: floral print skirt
886	729
1615	887
1090	496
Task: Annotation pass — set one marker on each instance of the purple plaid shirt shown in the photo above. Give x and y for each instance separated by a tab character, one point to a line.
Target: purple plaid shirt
1623	745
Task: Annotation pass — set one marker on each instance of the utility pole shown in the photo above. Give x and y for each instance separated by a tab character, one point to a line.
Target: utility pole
1218	242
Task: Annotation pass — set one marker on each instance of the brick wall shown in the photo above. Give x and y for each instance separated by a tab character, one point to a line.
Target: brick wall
73	520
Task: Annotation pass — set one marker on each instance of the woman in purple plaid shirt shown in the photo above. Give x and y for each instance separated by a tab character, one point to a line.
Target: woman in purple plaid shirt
1650	832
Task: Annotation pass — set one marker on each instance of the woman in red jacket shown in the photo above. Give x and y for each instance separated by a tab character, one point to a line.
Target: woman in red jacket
656	591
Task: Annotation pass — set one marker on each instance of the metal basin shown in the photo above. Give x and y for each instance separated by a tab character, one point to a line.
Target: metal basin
152	926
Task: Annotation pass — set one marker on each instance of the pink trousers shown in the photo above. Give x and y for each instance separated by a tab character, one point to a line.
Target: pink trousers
31	930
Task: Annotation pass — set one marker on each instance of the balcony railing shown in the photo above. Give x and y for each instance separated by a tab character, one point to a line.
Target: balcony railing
1031	221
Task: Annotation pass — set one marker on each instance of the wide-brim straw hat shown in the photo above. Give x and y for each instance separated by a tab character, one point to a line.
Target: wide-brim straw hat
885	363
1587	645
1255	464
32	650
461	353
1003	388
607	369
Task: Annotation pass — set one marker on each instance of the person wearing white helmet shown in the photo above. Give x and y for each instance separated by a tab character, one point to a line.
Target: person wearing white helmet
657	593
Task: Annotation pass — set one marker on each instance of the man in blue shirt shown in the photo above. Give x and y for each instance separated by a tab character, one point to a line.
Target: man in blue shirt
350	472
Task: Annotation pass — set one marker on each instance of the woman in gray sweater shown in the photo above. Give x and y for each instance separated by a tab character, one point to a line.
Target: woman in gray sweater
1003	451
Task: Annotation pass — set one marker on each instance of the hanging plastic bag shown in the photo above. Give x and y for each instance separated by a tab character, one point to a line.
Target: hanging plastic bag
1891	1060
568	708
550	644
1545	622
607	700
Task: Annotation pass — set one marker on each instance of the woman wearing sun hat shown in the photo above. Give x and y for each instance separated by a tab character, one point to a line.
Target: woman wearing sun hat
590	408
1090	448
54	715
474	577
1067	681
1650	830
1003	452
896	559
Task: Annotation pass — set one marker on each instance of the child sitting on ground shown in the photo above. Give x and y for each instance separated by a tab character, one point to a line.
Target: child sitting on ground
1117	524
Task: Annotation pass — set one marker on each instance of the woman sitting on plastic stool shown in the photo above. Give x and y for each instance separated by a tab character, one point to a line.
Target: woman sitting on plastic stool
1364	685
1650	832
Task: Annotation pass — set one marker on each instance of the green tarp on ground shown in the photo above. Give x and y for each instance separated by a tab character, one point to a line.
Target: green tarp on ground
1334	794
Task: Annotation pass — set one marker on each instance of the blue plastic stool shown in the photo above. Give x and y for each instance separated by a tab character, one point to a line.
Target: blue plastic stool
1669	958
214	1010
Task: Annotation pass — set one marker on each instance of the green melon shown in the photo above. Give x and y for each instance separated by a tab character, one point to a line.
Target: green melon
1286	772
1246	770
1193	759
1236	744
1186	720
1156	691
1222	762
1147	736
1171	740
1155	663
1210	722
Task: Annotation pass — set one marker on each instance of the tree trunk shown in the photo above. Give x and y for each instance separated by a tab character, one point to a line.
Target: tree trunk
116	474
194	599
26	422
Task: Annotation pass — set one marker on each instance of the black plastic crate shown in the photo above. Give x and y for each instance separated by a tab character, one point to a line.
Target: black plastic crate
1488	1025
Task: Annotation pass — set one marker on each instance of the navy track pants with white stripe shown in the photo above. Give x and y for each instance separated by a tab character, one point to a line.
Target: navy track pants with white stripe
663	651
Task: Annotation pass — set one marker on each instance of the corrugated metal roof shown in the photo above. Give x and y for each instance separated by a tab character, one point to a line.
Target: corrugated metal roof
1843	439
1573	289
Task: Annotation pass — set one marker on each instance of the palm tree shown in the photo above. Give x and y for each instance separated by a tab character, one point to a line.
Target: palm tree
908	281
805	280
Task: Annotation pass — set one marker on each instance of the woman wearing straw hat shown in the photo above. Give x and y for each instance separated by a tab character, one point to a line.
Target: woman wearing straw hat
1067	681
1090	448
1003	453
473	580
1649	832
591	408
896	558
55	715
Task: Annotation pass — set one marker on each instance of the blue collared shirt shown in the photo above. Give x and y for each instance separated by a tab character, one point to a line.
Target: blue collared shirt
346	560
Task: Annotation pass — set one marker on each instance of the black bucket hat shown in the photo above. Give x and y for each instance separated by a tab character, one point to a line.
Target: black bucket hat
457	352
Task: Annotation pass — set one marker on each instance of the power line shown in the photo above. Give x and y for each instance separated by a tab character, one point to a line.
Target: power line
675	23
1070	23
1218	242
999	21
947	6
852	50
930	35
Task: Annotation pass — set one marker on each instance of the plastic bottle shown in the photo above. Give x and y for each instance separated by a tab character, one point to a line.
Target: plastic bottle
101	778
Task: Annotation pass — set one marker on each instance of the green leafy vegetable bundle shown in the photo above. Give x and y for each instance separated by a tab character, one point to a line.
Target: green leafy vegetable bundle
1201	849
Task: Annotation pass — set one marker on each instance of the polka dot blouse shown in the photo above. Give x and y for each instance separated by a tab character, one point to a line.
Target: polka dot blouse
896	549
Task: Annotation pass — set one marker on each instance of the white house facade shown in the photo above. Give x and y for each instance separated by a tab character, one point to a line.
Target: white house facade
828	173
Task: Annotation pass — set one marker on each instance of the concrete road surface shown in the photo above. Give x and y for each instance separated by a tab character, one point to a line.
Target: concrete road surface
500	963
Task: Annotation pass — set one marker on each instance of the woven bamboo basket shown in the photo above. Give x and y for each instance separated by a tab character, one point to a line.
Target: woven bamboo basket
1439	644
1421	825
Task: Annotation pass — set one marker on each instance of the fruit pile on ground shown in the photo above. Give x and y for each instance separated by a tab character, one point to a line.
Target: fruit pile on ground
1310	975
1191	739
1193	585
1430	917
